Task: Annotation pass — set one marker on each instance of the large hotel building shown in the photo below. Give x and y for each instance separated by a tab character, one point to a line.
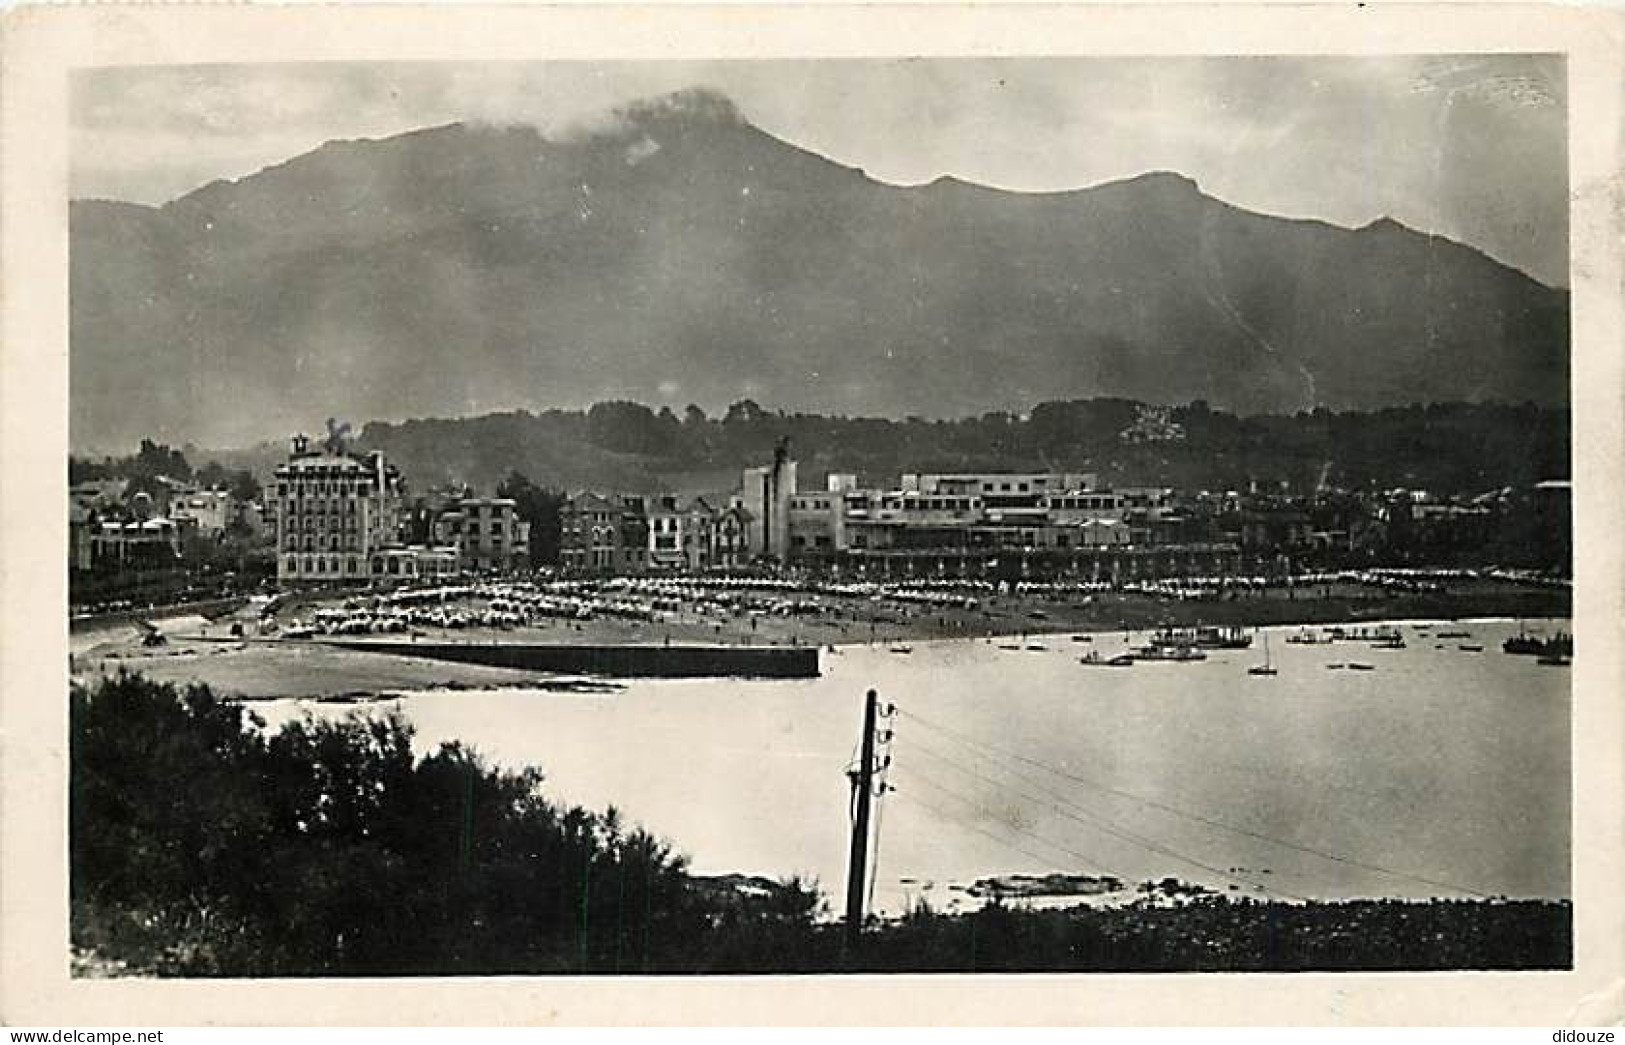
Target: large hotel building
336	515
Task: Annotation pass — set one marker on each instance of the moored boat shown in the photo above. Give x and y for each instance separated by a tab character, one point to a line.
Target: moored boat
1559	645
1169	653
1202	637
1265	669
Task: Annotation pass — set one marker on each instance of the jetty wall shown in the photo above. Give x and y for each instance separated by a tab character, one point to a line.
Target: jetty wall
628	661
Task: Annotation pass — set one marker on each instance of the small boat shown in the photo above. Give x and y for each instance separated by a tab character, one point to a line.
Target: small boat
1036	648
1524	644
1554	660
1559	645
1471	647
902	649
1357	666
1202	637
1305	637
1169	653
1083	638
1454	635
1009	645
1095	660
1335	667
1264	669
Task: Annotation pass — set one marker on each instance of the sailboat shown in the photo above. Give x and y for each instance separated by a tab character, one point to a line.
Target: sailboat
1264	668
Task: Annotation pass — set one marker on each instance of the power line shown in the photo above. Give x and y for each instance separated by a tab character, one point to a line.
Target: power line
967	741
960	821
1111	828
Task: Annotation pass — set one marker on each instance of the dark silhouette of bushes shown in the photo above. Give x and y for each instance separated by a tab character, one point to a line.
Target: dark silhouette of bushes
203	846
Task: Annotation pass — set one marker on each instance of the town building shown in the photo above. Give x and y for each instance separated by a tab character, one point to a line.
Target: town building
682	536
82	523
208	512
487	532
336	514
98	494
603	534
765	494
732	545
817	524
135	543
963	512
416	562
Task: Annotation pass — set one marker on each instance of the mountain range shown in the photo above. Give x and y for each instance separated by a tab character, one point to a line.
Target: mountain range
679	254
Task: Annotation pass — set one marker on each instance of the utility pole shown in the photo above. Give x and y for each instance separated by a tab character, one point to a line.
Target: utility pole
863	783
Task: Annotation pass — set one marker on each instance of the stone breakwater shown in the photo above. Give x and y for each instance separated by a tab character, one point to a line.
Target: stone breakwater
619	661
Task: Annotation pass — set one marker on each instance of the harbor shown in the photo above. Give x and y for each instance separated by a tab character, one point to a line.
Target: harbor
1024	761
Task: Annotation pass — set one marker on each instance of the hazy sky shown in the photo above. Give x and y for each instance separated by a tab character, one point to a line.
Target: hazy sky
1471	147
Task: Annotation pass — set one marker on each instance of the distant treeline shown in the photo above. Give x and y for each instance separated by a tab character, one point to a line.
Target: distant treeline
154	461
1448	448
203	845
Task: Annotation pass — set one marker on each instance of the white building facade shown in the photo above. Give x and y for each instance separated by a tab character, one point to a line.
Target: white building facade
335	514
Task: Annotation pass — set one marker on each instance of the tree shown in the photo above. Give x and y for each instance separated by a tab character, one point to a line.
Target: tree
155	459
746	411
244	486
625	428
539	507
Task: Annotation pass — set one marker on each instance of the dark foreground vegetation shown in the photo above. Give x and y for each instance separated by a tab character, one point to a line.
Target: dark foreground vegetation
202	845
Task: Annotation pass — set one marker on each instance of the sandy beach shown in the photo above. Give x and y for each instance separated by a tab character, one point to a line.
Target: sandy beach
197	649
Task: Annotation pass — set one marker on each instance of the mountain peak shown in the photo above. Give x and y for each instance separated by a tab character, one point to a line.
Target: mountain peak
690	106
1383	224
1165	180
697	258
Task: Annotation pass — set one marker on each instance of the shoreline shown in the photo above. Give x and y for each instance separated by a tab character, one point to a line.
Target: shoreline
263	668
